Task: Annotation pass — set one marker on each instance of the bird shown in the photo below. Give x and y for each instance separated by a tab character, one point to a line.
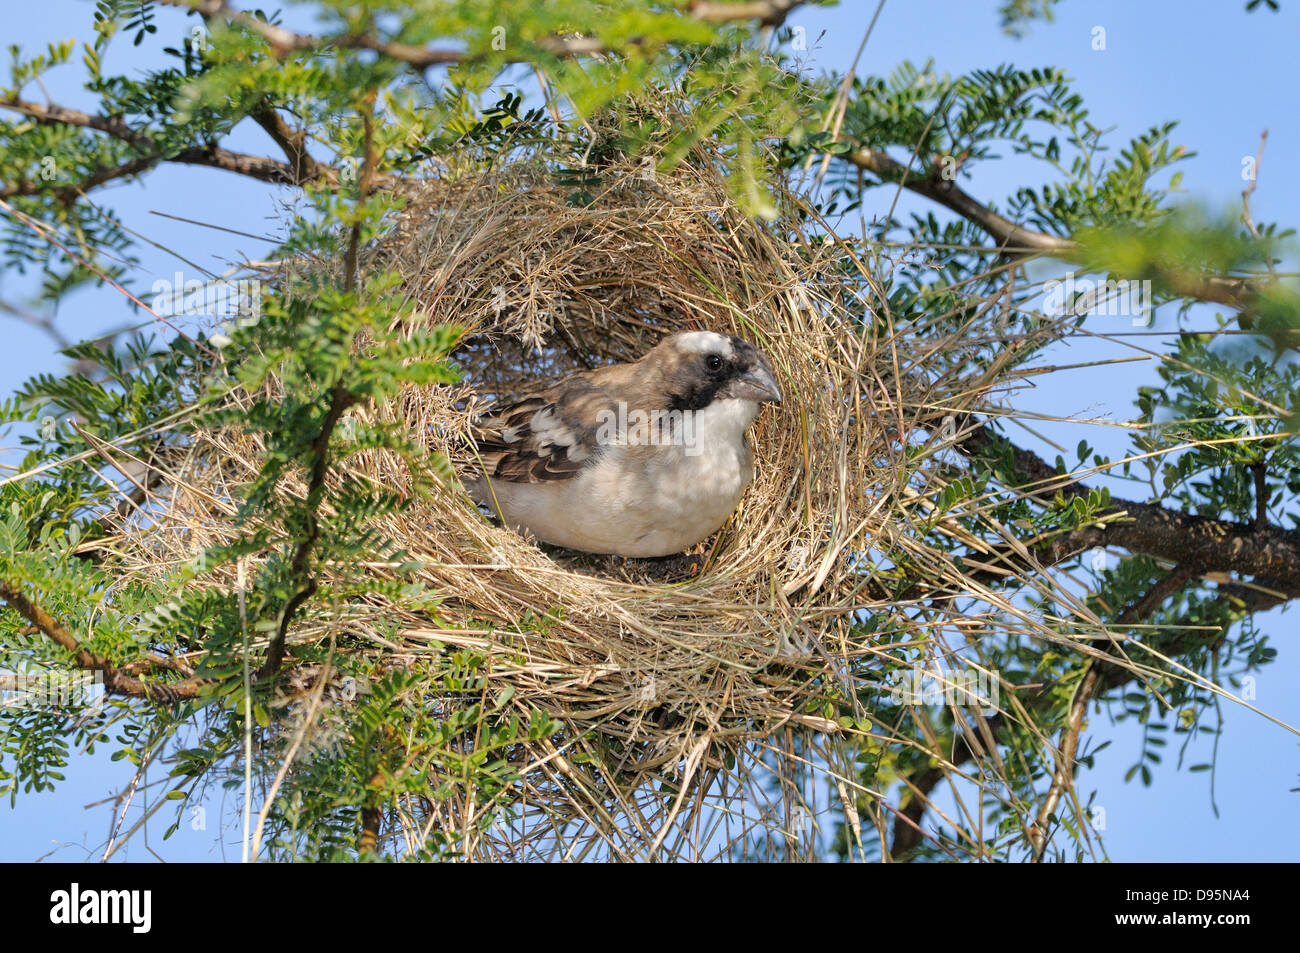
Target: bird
641	459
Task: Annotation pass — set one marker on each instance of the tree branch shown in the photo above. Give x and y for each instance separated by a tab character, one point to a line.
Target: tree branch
69	193
54	115
1212	544
1010	236
1195	544
293	143
1260	472
301	168
766	12
256	167
116	680
1014	239
1093	676
340	400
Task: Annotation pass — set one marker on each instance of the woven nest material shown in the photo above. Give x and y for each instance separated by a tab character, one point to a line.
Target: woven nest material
685	671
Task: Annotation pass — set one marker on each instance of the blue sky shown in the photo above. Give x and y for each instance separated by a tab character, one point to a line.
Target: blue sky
1223	74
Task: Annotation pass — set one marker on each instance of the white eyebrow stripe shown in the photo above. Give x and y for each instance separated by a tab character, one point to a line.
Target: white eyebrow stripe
701	342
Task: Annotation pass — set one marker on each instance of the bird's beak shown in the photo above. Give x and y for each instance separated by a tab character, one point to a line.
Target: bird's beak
757	384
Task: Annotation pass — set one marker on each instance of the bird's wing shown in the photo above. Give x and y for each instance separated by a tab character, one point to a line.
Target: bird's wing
549	436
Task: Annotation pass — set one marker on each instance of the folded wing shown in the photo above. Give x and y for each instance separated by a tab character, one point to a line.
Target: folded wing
548	436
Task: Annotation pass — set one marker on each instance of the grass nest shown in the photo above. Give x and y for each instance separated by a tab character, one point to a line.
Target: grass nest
696	696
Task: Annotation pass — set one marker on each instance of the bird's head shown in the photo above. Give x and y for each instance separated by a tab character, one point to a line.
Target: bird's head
699	367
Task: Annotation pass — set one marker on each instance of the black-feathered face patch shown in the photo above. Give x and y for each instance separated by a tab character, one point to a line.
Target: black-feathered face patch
706	366
701	363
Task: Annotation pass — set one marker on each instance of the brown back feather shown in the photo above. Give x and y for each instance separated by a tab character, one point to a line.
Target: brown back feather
551	435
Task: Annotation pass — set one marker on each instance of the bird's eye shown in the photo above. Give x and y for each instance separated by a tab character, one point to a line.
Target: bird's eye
713	362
